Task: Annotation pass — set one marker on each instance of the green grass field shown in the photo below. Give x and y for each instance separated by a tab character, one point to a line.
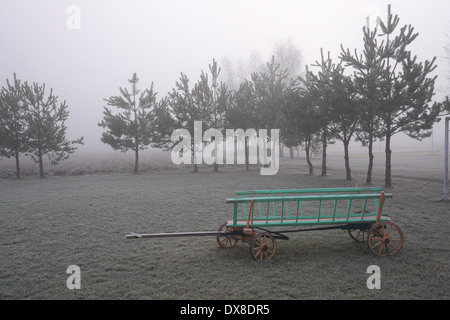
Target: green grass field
47	225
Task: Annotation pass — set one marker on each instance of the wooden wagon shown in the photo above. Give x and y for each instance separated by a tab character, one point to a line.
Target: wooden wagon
358	210
258	216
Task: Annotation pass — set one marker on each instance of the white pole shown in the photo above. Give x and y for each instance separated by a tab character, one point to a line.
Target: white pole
447	120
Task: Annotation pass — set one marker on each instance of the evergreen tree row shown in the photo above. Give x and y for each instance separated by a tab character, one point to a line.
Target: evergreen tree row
32	123
385	91
365	96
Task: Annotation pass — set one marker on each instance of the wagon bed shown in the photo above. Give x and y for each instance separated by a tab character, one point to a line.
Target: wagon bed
360	211
274	211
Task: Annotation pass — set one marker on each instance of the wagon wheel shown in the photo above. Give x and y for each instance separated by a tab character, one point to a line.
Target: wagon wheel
263	246
225	241
385	238
359	235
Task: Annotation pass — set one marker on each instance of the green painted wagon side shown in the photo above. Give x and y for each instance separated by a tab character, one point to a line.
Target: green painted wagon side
301	192
274	210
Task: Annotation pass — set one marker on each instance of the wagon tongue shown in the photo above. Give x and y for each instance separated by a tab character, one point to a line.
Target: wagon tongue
133	235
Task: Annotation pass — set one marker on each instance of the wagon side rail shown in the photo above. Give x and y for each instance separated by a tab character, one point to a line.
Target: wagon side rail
299	192
310	191
308	209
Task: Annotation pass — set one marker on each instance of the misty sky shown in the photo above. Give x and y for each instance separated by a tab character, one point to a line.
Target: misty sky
161	39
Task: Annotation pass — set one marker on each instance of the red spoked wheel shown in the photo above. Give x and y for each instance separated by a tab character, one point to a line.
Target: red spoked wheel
226	241
359	235
385	238
263	246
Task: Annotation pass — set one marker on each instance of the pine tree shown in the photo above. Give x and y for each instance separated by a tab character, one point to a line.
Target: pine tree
242	114
269	86
409	88
132	127
368	81
395	89
207	101
207	93
314	84
185	111
301	118
13	125
46	132
339	96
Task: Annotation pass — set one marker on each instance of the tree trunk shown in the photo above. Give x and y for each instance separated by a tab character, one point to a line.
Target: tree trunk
41	164
387	176
136	134
324	153
136	160
308	158
371	156
291	152
16	155
347	161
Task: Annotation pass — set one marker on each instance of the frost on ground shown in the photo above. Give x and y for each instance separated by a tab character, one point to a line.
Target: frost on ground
50	224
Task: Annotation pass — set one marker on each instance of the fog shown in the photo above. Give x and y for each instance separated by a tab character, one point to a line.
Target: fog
160	39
